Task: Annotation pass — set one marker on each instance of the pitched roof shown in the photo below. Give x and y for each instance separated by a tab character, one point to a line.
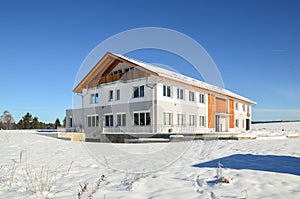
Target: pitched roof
165	73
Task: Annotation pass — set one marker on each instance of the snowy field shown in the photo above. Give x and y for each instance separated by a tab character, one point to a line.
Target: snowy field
35	166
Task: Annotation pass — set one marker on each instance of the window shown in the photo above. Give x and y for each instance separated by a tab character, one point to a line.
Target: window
179	119
109	121
138	91
111	95
142	118
248	109
202	120
93	120
167	118
179	93
243	124
118	94
191	96
236	106
244	107
167	91
71	121
94	98
121	119
201	98
237	123
192	120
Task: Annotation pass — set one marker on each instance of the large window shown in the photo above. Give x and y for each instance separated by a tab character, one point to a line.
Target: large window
191	96
93	120
109	121
179	119
118	94
202	98
179	93
166	91
192	120
167	118
94	98
202	120
138	91
142	118
121	119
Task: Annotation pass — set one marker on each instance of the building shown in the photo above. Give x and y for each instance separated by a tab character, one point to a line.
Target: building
121	95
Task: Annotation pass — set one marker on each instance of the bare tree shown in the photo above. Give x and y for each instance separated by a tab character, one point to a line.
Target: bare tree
7	120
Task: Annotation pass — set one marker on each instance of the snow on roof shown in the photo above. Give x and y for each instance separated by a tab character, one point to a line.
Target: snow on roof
184	79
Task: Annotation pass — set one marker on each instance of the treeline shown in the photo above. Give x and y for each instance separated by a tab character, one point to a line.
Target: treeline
7	122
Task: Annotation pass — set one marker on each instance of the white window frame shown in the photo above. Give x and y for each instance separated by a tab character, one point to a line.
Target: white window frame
168	114
191	96
180	93
111	123
237	123
191	119
167	91
202	121
110	95
180	122
202	98
94	98
122	119
237	106
139	88
92	120
139	118
118	94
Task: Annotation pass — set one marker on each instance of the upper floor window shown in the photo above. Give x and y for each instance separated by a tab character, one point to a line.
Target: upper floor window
138	91
244	107
179	93
166	91
248	109
202	98
191	96
236	106
111	95
94	98
118	94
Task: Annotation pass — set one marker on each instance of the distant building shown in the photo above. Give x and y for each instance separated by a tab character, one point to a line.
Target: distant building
123	95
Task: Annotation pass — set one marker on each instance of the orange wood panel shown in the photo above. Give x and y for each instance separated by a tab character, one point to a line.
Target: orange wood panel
221	105
231	112
211	111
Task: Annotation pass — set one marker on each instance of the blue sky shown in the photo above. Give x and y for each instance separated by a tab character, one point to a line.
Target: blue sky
255	45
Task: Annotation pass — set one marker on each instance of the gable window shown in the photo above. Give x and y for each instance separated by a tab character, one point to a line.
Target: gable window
118	94
191	96
121	119
192	120
93	120
179	93
111	95
179	119
167	118
142	118
202	120
109	121
94	98
138	91
166	91
202	98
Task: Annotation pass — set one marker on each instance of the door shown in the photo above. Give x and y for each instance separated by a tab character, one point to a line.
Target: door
247	124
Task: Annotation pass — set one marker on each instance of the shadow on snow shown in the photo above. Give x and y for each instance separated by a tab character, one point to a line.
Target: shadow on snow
270	163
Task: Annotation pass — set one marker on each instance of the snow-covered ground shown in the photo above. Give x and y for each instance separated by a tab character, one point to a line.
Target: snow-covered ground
35	166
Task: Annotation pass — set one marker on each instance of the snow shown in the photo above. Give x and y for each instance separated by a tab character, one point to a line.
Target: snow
266	167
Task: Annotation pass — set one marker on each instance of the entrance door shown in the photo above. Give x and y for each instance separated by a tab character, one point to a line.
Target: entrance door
247	124
221	124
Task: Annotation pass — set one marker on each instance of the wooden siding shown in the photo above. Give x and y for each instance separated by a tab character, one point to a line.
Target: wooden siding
221	105
211	111
231	112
